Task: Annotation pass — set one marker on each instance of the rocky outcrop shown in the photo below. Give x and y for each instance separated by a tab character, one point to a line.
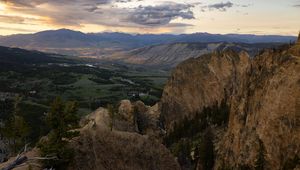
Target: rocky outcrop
263	95
98	147
139	118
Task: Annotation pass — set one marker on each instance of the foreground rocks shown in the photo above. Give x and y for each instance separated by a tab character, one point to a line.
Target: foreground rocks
98	147
132	143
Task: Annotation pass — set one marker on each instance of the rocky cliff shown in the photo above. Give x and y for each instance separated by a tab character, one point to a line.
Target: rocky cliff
263	97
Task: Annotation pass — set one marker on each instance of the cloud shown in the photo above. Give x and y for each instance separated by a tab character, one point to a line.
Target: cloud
221	6
16	29
296	5
11	19
104	14
33	3
123	1
99	12
160	14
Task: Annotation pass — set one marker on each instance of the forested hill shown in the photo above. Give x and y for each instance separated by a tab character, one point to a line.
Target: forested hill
19	56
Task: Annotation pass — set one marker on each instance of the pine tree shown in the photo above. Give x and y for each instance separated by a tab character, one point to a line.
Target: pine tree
208	150
112	114
61	120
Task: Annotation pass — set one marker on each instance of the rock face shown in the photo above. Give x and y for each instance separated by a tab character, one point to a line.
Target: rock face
139	118
201	82
264	98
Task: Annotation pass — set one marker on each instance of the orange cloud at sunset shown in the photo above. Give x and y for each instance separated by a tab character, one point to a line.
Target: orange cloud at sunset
155	16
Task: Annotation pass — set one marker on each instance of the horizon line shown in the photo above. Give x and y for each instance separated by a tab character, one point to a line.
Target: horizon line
132	33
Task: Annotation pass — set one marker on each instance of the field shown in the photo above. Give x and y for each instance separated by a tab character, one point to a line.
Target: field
91	85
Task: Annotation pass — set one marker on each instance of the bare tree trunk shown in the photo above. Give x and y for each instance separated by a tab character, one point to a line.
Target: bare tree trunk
18	161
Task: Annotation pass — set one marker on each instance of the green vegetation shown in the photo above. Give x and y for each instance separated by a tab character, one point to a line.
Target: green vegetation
91	87
189	128
291	163
112	114
61	120
205	150
140	120
191	140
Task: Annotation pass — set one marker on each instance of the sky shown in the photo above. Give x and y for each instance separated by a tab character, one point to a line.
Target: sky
280	17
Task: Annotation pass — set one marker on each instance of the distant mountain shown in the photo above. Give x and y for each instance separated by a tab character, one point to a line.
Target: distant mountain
238	38
64	38
49	39
169	55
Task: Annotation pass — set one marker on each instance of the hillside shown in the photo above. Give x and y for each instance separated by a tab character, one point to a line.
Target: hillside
169	55
24	57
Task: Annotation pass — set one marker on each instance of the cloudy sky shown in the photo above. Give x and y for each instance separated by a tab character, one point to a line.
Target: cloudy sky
152	16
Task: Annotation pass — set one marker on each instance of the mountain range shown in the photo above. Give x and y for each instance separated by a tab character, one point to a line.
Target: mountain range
165	50
65	38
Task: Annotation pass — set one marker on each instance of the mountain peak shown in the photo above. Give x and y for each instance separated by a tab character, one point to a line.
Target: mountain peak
60	31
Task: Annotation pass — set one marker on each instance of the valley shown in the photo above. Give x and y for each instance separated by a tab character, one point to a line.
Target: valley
184	101
103	45
40	77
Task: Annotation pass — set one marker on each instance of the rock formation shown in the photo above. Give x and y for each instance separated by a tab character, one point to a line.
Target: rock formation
201	82
99	148
263	95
